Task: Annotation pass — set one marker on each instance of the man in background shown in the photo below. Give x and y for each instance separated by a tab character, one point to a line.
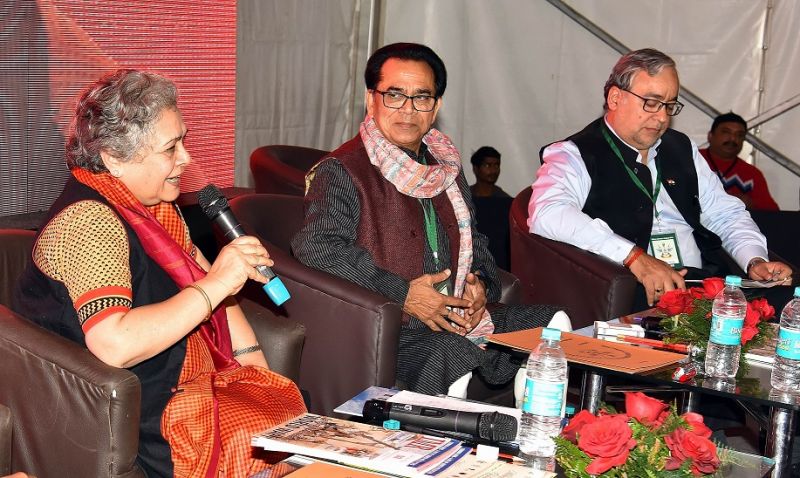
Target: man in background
486	166
739	178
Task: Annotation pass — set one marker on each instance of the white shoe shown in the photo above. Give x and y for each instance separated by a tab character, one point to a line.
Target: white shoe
561	322
459	388
519	386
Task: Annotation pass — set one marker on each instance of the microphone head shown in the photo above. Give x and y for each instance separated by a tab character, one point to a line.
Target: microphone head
375	411
497	427
211	201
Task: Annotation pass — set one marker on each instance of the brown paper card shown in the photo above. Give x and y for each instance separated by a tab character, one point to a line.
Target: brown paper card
319	469
594	352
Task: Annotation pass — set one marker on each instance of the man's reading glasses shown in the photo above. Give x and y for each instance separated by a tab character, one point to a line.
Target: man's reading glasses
652	105
396	100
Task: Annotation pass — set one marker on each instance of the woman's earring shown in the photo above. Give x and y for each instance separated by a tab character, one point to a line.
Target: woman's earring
116	173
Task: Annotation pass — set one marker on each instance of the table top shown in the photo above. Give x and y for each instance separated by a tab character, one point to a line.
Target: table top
753	386
746	466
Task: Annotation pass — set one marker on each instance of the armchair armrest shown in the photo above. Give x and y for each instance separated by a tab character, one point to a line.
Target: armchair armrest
281	339
73	414
510	286
351	333
590	286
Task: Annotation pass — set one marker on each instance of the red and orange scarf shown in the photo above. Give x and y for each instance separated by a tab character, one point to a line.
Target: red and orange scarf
220	404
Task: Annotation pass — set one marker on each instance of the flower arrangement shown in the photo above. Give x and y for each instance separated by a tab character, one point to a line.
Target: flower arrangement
689	317
649	440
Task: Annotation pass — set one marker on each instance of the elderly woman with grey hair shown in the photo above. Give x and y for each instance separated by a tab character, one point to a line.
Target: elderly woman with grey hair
114	269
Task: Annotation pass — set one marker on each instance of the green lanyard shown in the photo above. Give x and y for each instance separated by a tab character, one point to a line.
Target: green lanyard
431	233
634	178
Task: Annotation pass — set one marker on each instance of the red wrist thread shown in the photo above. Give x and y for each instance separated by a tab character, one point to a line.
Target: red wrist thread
637	251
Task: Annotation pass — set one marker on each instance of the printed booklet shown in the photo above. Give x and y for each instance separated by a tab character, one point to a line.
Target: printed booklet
368	447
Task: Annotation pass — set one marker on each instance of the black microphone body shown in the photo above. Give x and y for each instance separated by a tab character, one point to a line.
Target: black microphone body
215	206
492	426
231	229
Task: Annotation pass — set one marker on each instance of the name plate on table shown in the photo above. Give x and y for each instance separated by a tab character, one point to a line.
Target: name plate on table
590	351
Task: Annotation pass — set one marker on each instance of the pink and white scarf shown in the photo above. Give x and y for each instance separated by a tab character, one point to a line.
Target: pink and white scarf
426	181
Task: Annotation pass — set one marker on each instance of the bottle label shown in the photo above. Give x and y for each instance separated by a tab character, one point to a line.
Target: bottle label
726	330
544	398
788	344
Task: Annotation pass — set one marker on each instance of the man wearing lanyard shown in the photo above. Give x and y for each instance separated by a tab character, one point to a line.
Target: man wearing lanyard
391	211
629	188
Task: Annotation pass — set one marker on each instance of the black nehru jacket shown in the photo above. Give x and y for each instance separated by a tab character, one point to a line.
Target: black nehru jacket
614	198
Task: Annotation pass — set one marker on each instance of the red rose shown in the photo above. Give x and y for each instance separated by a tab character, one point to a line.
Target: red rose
575	425
643	408
696	424
697	292
712	286
766	310
608	441
661	418
685	445
748	333
675	301
752	316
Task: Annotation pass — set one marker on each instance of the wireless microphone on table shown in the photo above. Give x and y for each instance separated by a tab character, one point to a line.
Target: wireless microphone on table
215	206
492	426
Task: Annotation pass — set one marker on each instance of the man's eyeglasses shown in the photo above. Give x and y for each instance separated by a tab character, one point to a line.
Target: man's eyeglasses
396	100
652	105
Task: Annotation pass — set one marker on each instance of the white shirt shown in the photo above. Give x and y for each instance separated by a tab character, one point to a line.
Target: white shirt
562	185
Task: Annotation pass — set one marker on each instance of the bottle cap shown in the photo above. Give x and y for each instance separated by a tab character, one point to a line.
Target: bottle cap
733	280
551	334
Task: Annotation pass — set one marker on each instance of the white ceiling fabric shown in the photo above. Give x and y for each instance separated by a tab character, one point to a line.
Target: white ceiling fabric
522	74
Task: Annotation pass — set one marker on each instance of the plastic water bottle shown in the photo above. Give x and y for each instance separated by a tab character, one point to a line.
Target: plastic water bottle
727	320
786	369
543	405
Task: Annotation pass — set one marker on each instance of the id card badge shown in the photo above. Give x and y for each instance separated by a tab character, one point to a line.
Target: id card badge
664	246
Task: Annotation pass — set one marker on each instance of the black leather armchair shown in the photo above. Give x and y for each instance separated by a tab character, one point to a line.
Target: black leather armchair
590	286
73	415
280	169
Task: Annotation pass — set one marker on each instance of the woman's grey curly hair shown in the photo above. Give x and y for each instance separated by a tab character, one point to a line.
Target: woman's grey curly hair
116	114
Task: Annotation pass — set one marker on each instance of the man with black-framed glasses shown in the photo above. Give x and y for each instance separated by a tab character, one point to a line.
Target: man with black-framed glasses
391	211
631	189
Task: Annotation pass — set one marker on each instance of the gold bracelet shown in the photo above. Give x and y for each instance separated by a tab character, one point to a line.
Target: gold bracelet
205	296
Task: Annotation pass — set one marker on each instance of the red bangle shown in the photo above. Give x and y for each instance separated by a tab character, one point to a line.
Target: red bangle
637	251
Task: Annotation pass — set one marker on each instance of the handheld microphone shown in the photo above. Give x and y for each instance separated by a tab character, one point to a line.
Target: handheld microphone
215	206
492	426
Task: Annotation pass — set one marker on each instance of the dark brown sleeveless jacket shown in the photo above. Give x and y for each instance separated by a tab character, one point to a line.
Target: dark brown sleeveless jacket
392	226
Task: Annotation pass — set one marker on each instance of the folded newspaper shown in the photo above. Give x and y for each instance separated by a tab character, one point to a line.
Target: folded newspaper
754	284
394	452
